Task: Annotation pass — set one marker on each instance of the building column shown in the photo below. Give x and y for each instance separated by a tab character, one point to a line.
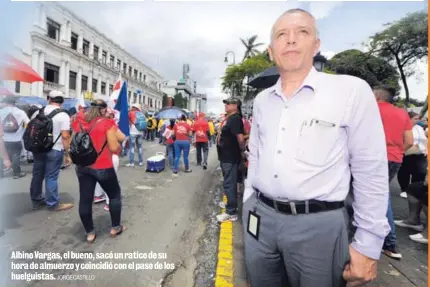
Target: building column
80	42
41	70
107	87
34	65
108	59
42	19
79	82
66	79
91	52
99	57
99	84
62	73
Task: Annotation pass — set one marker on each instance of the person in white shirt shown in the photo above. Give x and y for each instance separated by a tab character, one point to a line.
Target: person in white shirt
14	121
47	166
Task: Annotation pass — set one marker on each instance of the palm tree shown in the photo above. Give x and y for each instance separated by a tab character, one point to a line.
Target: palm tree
250	47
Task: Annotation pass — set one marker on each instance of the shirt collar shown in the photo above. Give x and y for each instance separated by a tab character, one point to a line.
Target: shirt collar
309	82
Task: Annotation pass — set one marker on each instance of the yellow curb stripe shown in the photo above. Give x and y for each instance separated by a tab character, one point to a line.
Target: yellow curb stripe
224	276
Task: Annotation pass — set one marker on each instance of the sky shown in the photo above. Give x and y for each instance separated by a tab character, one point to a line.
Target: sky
166	35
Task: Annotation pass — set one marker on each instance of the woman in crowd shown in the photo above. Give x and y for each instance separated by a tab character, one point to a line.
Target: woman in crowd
182	132
170	143
100	195
106	139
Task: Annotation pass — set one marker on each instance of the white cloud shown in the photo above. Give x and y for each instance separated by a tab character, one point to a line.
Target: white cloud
328	54
321	10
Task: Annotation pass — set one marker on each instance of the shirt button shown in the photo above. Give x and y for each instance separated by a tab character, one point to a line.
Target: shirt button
283	129
275	176
279	151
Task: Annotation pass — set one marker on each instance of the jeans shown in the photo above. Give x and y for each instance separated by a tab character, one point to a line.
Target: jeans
212	140
202	147
390	239
13	150
88	178
46	167
150	135
229	172
135	141
171	155
182	146
99	192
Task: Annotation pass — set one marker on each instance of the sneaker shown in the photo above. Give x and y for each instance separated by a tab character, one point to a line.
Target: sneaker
140	163
403	194
392	252
419	238
98	199
62	206
22	174
129	165
205	167
403	223
224	217
106	207
39	205
188	170
222	204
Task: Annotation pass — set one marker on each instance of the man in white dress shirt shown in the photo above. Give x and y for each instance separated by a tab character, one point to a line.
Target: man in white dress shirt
310	133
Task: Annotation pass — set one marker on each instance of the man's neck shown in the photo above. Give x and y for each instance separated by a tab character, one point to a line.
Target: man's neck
291	81
55	104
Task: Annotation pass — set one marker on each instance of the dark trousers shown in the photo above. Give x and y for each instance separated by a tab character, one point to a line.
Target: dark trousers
413	169
229	172
420	191
150	135
88	178
202	147
13	150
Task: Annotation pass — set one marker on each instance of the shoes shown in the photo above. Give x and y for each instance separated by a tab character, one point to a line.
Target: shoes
98	199
403	223
419	238
62	206
403	194
224	217
129	165
392	252
22	174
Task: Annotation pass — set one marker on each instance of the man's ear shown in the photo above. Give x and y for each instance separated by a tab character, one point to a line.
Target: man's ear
317	46
270	52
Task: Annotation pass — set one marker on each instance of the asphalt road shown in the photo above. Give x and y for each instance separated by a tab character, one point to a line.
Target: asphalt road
166	216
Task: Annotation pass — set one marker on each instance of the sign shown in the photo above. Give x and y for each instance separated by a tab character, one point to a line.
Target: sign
89	96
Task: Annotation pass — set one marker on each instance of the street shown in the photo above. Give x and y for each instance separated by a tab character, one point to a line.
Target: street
164	215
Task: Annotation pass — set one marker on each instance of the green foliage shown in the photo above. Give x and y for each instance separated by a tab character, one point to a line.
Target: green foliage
165	100
250	47
373	70
178	100
402	43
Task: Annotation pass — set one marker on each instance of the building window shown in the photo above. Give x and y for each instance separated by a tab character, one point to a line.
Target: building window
84	83
129	96
118	64
135	75
74	41
140	76
104	57
86	48
17	87
53	29
110	89
144	100
95	52
130	71
112	62
134	98
72	80
144	78
94	88
103	88
51	73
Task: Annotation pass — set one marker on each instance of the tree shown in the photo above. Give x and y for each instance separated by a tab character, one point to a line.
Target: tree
402	43
373	70
178	100
233	80
250	47
165	100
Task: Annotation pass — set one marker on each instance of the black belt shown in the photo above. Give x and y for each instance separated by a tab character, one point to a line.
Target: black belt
299	207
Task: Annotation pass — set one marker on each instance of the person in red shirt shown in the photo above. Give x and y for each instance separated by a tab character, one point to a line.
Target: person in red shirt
399	138
182	132
201	134
170	143
106	139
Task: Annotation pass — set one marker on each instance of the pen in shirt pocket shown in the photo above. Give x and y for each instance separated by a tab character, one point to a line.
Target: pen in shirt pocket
322	123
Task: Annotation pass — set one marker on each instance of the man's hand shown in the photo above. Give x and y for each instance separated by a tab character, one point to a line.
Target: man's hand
7	163
360	270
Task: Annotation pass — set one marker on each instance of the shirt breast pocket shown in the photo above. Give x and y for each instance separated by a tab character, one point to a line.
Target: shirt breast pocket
316	142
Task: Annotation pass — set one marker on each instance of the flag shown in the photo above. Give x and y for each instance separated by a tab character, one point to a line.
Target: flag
122	106
115	91
80	101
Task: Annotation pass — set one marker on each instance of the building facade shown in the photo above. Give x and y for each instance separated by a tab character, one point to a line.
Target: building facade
75	58
185	87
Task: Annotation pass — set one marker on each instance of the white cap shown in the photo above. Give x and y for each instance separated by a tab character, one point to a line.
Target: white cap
54	94
135	106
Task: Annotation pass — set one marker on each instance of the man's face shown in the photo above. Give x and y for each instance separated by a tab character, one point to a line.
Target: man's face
229	107
294	42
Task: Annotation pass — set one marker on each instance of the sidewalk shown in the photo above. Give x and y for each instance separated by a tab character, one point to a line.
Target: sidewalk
410	271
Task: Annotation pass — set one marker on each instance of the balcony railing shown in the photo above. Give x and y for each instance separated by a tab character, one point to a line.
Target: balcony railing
50	86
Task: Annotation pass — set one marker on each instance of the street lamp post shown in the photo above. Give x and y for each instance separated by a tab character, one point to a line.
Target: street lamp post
234	62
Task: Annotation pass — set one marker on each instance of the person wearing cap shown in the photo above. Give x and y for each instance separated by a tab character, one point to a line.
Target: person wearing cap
136	137
14	121
311	133
46	166
230	147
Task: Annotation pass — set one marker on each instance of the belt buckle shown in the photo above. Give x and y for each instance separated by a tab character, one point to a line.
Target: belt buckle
293	208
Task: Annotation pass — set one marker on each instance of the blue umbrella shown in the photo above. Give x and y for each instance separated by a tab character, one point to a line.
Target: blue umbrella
71	103
170	113
31	100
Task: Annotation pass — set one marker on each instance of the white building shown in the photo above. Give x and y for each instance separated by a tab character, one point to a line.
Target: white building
187	89
74	57
198	103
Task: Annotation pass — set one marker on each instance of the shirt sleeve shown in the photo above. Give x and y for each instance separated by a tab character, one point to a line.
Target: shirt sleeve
369	169
253	146
65	122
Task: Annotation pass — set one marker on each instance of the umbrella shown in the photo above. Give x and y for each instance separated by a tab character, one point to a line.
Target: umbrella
5	92
170	113
32	100
15	70
265	79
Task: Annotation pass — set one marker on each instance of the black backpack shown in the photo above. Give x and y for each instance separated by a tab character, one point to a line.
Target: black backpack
82	151
38	137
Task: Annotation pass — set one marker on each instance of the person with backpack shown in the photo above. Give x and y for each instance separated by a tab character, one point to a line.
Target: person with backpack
152	126
47	136
138	124
93	145
14	121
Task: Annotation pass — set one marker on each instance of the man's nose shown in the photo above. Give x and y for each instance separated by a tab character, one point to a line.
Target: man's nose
291	38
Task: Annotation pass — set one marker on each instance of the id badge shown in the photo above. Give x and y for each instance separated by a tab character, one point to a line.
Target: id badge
253	227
